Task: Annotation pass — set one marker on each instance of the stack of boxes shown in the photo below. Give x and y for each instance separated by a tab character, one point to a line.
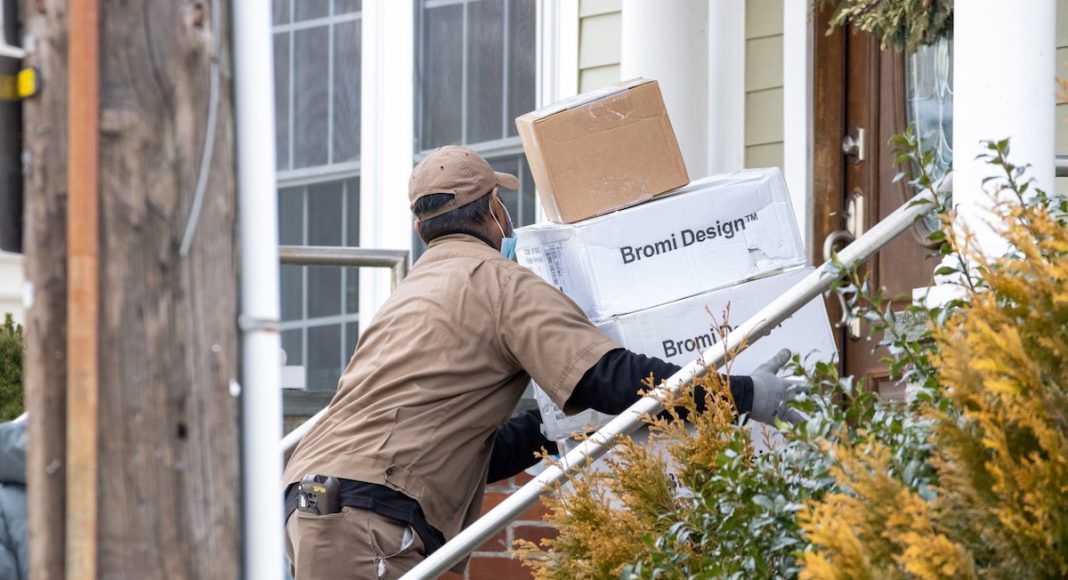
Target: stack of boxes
653	261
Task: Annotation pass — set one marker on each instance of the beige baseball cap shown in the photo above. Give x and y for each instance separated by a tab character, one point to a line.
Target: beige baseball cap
456	170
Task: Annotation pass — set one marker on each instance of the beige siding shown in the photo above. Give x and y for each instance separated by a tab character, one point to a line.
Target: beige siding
763	63
594	7
763	117
599	76
1062	73
763	18
764	155
600	26
764	83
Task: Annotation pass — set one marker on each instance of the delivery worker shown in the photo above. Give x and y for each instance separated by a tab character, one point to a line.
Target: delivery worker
420	421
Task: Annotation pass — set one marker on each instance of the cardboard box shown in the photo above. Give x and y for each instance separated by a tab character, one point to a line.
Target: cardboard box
713	233
680	331
602	151
762	437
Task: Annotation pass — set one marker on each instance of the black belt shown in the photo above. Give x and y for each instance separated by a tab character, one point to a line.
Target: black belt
383	501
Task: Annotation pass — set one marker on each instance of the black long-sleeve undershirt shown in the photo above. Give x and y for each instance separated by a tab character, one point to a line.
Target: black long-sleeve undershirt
609	386
612	385
516	443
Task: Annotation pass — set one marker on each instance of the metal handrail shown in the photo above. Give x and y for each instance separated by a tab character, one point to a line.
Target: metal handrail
395	260
1061	165
630	420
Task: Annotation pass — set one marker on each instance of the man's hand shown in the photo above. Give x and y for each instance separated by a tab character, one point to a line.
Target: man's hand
771	393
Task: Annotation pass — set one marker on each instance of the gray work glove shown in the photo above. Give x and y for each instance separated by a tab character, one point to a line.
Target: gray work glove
772	392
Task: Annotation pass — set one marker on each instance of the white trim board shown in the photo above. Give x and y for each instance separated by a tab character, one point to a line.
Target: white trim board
556	60
797	111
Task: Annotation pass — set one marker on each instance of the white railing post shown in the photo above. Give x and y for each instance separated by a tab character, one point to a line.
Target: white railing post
261	396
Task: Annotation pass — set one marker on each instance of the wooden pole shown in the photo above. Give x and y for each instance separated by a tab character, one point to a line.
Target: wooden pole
152	460
169	454
45	247
82	299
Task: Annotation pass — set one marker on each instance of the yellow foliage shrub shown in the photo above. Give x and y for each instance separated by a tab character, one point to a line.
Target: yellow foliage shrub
999	508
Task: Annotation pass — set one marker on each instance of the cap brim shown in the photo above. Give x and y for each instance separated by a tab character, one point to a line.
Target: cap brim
507	180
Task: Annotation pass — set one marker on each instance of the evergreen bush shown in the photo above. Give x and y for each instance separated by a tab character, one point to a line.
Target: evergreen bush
904	24
11	352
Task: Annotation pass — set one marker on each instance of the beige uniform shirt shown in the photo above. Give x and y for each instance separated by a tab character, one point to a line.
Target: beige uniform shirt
441	367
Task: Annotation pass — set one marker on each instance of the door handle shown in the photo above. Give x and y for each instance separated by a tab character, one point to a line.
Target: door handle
854	228
833	239
854	225
853	145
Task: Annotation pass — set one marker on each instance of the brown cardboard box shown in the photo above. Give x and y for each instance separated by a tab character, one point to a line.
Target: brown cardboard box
602	151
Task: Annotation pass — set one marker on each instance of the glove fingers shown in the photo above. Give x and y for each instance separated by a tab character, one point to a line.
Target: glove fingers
793	416
776	362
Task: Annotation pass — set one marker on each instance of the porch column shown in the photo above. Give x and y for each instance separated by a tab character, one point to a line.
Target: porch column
1004	67
667	40
386	140
726	86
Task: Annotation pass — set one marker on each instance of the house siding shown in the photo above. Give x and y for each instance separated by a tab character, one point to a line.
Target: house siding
600	27
11	278
1061	131
764	83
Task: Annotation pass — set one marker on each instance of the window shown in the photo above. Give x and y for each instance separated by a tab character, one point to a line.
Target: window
929	108
475	71
317	136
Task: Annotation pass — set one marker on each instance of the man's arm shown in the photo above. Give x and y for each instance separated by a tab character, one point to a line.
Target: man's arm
611	385
516	443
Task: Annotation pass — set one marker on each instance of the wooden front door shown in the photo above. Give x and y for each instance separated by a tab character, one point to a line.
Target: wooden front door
860	94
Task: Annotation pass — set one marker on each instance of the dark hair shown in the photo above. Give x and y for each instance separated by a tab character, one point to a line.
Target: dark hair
467	219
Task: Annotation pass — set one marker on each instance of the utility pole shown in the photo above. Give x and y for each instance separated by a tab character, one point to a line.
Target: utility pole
161	447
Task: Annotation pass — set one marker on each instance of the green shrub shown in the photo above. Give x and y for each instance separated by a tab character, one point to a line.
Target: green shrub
11	351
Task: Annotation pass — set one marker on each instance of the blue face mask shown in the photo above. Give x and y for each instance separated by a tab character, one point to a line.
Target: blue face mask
507	242
508	247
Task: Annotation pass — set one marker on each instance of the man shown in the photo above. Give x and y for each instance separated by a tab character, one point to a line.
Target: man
420	421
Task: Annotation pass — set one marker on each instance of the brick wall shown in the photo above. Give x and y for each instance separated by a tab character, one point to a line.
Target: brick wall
494	560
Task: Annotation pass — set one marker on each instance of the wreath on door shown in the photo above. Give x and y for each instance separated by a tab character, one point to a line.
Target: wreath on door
904	24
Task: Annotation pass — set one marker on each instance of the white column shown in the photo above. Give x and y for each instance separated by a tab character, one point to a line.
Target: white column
386	139
667	40
557	50
726	86
1003	69
797	110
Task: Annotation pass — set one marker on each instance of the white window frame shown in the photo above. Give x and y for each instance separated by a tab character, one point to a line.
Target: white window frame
386	139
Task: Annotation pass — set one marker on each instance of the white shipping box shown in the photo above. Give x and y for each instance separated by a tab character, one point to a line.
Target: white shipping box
680	331
713	233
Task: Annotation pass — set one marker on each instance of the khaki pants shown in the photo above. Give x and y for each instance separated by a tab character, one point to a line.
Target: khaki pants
354	543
